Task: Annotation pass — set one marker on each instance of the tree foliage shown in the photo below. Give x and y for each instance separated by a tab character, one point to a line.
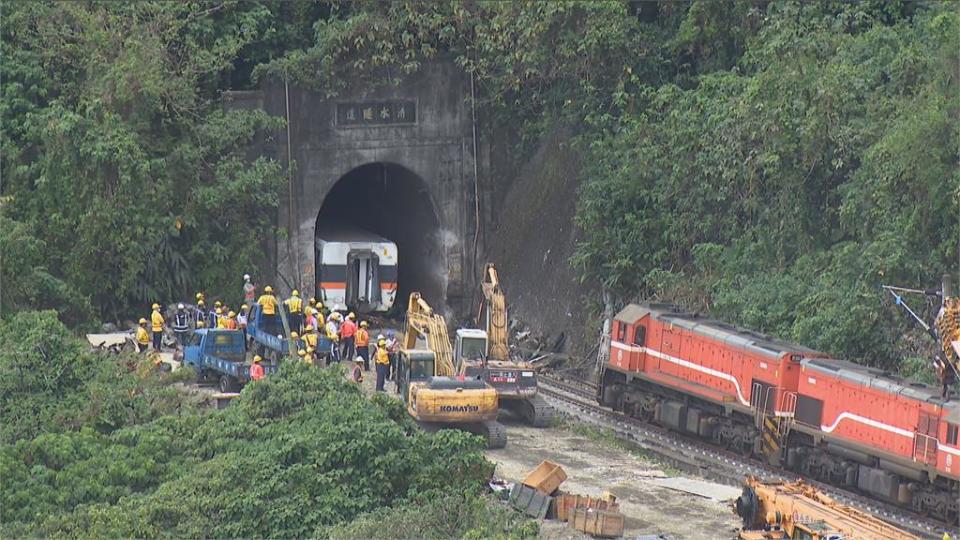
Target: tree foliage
296	454
782	193
114	142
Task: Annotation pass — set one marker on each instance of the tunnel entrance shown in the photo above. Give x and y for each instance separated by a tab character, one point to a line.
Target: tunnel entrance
393	202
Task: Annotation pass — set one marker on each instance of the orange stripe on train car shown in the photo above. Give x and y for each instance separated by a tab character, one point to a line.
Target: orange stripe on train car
388	285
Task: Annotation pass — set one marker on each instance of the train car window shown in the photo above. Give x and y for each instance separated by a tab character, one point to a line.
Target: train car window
639	335
952	433
621	332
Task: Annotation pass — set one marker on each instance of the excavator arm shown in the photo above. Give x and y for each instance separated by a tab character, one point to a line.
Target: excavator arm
493	314
422	321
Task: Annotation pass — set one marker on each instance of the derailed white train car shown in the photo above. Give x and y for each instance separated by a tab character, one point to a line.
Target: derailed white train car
356	269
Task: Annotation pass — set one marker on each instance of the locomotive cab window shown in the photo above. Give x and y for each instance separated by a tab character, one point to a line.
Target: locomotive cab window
621	332
639	335
952	433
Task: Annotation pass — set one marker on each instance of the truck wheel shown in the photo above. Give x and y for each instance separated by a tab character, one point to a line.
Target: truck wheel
228	384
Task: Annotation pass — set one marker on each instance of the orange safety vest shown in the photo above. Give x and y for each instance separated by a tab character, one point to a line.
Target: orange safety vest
256	372
230	324
363	337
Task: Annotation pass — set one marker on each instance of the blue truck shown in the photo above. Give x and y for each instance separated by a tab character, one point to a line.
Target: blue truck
268	344
263	341
219	354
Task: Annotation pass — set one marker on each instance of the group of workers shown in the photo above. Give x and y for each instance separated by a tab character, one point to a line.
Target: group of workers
347	338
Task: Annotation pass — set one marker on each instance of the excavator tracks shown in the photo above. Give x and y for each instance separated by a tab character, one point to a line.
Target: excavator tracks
496	434
534	411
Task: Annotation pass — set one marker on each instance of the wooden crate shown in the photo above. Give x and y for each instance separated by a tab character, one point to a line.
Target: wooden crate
564	504
546	478
599	523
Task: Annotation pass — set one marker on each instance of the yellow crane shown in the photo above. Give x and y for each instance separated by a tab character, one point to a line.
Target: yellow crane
435	396
485	353
790	510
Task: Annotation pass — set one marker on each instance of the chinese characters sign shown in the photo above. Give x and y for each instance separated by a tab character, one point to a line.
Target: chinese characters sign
377	113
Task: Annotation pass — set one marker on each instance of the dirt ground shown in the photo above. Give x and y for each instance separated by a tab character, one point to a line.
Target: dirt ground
594	466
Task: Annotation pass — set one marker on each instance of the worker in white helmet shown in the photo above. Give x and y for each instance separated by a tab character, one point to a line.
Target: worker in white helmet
249	291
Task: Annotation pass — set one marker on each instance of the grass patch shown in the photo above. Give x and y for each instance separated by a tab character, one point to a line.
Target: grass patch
609	438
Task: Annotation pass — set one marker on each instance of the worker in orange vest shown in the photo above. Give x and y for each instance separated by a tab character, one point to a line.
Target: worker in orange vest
363	344
256	370
156	323
348	332
230	321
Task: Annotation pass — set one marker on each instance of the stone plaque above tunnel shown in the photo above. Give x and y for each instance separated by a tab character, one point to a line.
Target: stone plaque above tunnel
376	113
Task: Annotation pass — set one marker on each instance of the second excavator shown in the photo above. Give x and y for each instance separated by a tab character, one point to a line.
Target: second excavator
485	353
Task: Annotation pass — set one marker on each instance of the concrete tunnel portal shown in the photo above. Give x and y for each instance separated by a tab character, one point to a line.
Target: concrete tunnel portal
392	201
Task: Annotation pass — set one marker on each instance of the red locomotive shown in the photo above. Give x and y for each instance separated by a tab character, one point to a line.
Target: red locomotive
843	423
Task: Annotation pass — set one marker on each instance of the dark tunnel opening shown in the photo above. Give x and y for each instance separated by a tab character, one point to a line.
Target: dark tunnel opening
393	202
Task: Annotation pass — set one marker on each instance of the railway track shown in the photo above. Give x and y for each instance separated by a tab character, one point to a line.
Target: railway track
577	398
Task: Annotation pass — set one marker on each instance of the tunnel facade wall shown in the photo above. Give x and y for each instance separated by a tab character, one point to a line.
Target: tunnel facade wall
330	137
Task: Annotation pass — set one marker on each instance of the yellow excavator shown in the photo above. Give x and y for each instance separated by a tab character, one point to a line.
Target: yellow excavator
485	354
434	394
788	510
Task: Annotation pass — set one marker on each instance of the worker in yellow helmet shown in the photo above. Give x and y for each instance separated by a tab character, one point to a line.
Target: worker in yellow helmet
256	370
294	307
382	360
143	337
230	321
201	314
310	337
363	344
268	310
156	324
221	319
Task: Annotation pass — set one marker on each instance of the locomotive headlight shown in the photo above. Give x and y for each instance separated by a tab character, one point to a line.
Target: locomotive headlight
527	374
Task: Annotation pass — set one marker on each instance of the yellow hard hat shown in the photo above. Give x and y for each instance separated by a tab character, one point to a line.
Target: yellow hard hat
201	303
257	358
295	293
232	314
219	311
308	328
382	343
319	305
199	296
143	321
268	289
313	301
364	324
218	303
294	335
351	316
155	306
301	352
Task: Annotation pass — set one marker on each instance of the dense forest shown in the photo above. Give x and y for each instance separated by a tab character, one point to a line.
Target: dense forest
771	163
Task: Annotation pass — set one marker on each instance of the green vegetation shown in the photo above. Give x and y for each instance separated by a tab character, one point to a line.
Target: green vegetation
300	454
768	162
